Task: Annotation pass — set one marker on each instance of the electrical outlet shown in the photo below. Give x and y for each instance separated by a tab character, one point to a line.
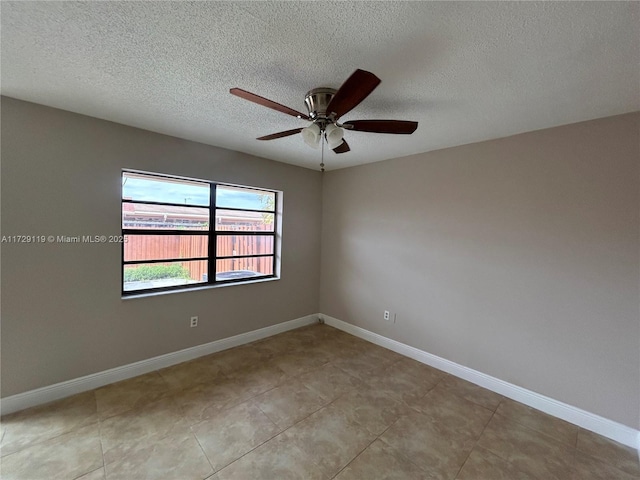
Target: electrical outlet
387	315
194	321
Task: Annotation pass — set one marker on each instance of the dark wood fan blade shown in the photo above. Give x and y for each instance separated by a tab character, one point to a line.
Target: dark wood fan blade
342	148
265	102
357	87
286	133
382	126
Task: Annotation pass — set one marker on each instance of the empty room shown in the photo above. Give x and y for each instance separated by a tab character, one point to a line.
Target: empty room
320	240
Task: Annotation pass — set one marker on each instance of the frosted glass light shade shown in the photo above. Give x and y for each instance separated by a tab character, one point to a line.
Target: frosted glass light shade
311	135
334	135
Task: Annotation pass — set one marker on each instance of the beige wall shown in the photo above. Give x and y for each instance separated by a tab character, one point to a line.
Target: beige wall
62	315
517	257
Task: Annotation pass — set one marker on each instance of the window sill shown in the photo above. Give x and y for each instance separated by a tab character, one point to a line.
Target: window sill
195	289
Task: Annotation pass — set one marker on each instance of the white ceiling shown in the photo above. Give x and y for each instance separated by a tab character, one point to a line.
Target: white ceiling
466	71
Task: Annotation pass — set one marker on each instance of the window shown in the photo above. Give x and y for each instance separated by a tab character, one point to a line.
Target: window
179	233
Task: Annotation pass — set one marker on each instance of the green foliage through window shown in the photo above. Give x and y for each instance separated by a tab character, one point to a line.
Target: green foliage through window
155	272
268	202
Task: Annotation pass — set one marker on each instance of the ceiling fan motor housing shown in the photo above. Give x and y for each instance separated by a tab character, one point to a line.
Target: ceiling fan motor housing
317	101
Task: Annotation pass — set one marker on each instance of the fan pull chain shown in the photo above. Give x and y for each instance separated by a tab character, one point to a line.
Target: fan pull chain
322	157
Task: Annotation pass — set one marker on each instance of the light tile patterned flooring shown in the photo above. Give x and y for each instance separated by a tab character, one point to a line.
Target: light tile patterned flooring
312	403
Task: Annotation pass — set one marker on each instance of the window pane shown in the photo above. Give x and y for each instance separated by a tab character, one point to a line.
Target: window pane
244	245
237	197
137	186
156	275
159	247
164	217
248	221
235	268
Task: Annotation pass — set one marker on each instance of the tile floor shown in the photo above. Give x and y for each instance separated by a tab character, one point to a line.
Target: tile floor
312	403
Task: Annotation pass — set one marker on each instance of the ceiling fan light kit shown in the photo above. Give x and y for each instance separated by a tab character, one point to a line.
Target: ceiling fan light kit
311	135
325	106
333	135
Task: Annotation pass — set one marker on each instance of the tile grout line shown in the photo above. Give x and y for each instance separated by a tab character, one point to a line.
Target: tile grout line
295	423
573	450
393	449
235	402
516	420
374	371
535	430
265	441
203	452
415	409
40	442
104	462
475	444
495	412
91	471
279	433
355	457
370	443
269	418
486	448
44	440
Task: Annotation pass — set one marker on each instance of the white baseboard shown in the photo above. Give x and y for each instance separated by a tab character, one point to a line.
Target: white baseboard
589	421
77	385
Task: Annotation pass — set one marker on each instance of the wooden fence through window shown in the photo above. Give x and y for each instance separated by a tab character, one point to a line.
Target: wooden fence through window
142	247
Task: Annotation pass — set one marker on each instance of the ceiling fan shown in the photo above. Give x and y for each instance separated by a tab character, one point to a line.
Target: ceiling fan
326	106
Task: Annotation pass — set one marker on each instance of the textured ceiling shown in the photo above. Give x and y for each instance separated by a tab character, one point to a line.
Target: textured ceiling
467	71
